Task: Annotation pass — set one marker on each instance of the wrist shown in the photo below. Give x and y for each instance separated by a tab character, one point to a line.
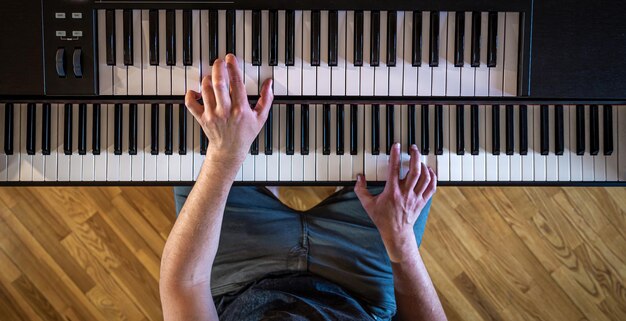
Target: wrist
221	165
401	247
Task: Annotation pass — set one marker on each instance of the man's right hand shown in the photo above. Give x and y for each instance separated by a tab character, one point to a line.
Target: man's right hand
396	209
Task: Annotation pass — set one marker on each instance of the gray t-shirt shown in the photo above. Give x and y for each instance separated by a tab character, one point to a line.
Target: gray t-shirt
290	297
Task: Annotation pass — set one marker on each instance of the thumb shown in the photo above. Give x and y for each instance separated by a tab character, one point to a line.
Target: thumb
264	103
360	189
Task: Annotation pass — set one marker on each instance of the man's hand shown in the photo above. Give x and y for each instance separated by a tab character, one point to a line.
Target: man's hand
396	209
226	117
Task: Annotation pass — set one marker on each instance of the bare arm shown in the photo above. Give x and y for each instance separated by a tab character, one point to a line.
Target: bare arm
394	212
231	125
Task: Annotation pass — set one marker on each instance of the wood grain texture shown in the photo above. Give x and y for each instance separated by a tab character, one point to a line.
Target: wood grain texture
493	253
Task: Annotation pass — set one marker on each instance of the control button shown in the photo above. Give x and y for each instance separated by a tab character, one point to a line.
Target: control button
77	33
77	58
61	33
60	62
59	15
77	15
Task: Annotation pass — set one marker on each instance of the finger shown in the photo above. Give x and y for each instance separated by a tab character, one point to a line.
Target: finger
220	85
208	96
394	163
237	88
423	181
191	101
432	185
264	103
360	189
415	169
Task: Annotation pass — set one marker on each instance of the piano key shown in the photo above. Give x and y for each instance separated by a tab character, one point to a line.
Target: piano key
326	129
46	129
315	37
476	35
607	133
113	160
523	130
375	38
511	52
439	69
254	148
527	126
321	159
424	71
610	126
443	160
174	159
135	69
26	161
128	37
269	132
251	69
231	31
375	129
204	142
580	129
594	130
339	125
198	157
410	128
599	160
492	36
125	165
188	38
468	72
510	130
163	70
67	129
118	130
399	114
459	38
169	129
390	127
346	159
481	72
475	129
38	159
82	129
192	71
152	37
480	167
492	141
587	159
352	71
304	125
149	50
110	37
170	37
425	131
358	43
381	71
439	130
11	150
137	160
621	139
354	129
297	159
358	160
455	160
182	129
265	70
515	159
178	69
154	129
151	141
552	162
289	129
575	159
453	74
410	34
162	159
273	159
544	130
280	71
120	71
404	139
31	114
564	157
338	72
62	166
256	165
395	82
460	129
496	72
294	74
290	37
9	128
369	158
504	173
273	38
392	32
334	160
333	38
133	128
323	70
186	138
416	38
309	158
382	160
559	138
433	60
367	73
495	129
431	159
105	72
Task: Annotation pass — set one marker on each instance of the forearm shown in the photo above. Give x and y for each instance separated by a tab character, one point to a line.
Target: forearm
416	297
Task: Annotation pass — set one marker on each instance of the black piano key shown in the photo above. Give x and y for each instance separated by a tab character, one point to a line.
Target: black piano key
128	37
82	129
358	38
254	148
169	129
117	129
154	37
375	39
354	129
182	129
273	38
523	130
459	38
492	39
289	129
438	130
411	128
8	128
544	128
392	41
31	126
204	142
46	125
304	128
594	130
509	129
231	32
425	134
375	110
333	37
433	59
290	37
214	34
95	136
170	37
460	130
608	129
154	129
559	138
475	55
132	129
340	129
67	129
495	130
269	132
416	36
188	38
390	128
256	37
326	129
315	37
474	130
110	37
580	129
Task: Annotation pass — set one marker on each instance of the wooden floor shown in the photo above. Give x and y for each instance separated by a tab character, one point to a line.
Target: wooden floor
493	253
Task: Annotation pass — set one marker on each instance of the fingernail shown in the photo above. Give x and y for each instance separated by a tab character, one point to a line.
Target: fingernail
358	178
414	147
396	145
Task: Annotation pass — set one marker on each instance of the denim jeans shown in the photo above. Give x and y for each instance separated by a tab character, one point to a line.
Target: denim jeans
335	240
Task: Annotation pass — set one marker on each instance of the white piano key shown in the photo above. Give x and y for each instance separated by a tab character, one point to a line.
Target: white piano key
381	73
367	71
273	162
481	78
480	164
105	72
221	33
260	160
280	71
13	161
468	159
491	160
431	158
240	41
599	161
321	160
309	73
162	162
552	162
409	77
338	73
353	73
396	73
588	166
334	160
186	161
539	160
453	74
424	71
456	161
496	74
511	40
265	70
174	159
205	63
113	161
192	73
403	138
100	161
198	158
125	161
346	158
528	171
26	161
467	71
369	160
178	71
612	171
309	160
148	72
576	161
397	132
38	159
294	73
120	71
382	159
76	160
150	167
88	174
247	168
3	156
503	158
297	160
621	141
63	174
358	159
443	161
564	160
164	72
137	161
135	71
284	160
439	72
516	159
